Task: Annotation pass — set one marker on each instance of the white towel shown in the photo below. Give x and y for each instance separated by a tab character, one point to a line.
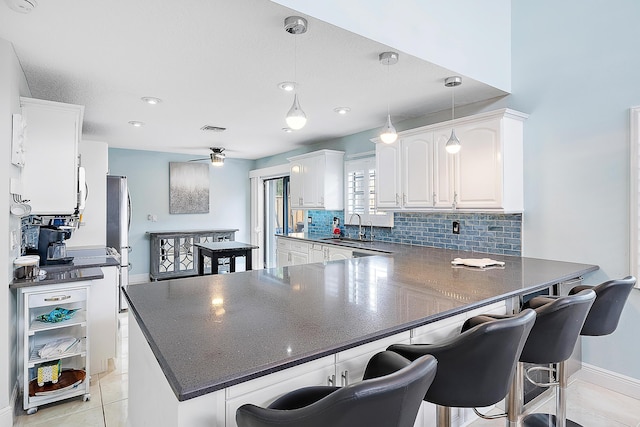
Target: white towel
477	262
57	347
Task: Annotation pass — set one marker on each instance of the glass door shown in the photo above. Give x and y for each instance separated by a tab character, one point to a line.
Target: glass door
276	216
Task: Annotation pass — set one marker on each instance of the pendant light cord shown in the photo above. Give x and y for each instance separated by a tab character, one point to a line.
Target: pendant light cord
295	63
453	103
388	90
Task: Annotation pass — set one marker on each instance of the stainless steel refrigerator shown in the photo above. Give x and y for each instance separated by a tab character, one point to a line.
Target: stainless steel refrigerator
118	224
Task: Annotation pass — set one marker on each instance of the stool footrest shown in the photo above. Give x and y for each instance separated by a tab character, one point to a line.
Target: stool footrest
540	368
544	420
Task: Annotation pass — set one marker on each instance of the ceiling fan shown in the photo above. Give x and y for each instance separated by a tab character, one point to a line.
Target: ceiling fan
217	156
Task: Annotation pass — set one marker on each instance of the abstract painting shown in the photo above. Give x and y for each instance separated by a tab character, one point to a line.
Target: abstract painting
188	188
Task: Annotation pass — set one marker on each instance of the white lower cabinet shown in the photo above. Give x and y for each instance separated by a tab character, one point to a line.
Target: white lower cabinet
69	378
291	252
104	319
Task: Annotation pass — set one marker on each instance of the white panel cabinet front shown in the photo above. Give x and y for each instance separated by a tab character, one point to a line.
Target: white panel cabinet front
52	133
317	180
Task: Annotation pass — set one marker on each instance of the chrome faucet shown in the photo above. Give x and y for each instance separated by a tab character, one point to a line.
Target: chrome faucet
360	233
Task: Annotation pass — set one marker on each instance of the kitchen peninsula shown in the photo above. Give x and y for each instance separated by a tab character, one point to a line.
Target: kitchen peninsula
200	347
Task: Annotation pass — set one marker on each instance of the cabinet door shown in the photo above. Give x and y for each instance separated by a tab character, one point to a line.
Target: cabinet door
103	319
295	184
316	253
478	178
443	175
298	258
338	253
312	182
417	171
51	146
388	186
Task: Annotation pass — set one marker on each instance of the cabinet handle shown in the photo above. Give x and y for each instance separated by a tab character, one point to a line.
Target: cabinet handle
345	378
397	200
58	298
331	380
322	201
434	199
455	200
404	199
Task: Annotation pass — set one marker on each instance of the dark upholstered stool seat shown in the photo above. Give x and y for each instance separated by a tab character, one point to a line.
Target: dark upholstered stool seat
474	368
552	339
388	401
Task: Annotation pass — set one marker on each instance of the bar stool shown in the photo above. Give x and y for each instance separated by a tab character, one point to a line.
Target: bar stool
389	401
474	368
605	312
551	341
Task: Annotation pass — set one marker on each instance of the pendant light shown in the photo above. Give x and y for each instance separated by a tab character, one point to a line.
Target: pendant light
388	134
453	144
296	118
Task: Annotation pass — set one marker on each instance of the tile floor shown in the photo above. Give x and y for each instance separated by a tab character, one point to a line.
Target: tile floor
588	404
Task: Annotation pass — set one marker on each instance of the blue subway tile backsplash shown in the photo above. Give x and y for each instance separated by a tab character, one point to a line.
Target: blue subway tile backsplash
479	232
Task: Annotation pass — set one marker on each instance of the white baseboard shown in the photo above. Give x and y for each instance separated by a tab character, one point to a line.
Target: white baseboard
135	279
6	414
611	380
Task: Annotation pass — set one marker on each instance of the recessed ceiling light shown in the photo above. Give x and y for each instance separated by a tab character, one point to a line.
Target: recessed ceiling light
287	130
151	100
136	123
342	110
287	86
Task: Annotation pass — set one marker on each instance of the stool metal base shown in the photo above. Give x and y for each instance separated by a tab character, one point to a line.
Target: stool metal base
544	420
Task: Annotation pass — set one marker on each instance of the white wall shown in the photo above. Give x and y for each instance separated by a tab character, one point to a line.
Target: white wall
471	37
12	85
93	228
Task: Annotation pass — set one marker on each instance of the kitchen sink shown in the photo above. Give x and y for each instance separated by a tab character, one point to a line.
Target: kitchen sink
345	239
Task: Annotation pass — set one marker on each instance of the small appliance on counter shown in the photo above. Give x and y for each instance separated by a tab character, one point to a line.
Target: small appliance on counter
51	247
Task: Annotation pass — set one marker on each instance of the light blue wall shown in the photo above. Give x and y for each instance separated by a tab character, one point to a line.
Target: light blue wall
575	69
147	174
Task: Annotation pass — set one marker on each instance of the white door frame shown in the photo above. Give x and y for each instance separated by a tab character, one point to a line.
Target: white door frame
257	177
634	174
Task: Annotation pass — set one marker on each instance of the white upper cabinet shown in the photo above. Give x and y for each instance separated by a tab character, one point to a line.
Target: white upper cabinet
50	173
487	173
317	180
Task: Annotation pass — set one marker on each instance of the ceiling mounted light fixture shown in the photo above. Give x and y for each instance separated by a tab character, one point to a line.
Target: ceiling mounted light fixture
453	144
136	123
287	86
151	100
296	118
388	134
342	110
217	156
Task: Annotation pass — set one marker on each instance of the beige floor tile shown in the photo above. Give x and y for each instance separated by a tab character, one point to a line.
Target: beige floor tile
114	387
62	408
89	418
115	414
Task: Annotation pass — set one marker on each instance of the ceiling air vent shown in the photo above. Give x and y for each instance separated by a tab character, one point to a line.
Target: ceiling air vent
209	128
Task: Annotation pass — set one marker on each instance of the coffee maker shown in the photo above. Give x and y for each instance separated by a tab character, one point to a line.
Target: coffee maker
51	247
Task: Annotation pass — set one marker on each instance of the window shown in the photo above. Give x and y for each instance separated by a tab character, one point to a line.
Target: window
360	193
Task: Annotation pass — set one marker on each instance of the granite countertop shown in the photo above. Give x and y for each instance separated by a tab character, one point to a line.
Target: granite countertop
85	265
212	332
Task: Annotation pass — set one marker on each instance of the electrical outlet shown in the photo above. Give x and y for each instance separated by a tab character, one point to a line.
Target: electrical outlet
308	220
455	227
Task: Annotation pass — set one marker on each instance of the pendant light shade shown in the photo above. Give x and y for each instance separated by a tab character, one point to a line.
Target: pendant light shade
453	144
389	134
296	119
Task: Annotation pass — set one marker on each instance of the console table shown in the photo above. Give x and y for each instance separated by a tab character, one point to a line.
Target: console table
172	252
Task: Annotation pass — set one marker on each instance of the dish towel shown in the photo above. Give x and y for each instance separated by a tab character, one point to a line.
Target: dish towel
57	347
477	262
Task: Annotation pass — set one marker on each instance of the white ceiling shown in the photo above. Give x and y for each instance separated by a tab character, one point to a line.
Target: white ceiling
215	62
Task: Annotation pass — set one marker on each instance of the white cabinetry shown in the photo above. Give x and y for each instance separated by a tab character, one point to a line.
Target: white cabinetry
52	133
417	173
291	252
405	171
317	180
104	319
33	335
